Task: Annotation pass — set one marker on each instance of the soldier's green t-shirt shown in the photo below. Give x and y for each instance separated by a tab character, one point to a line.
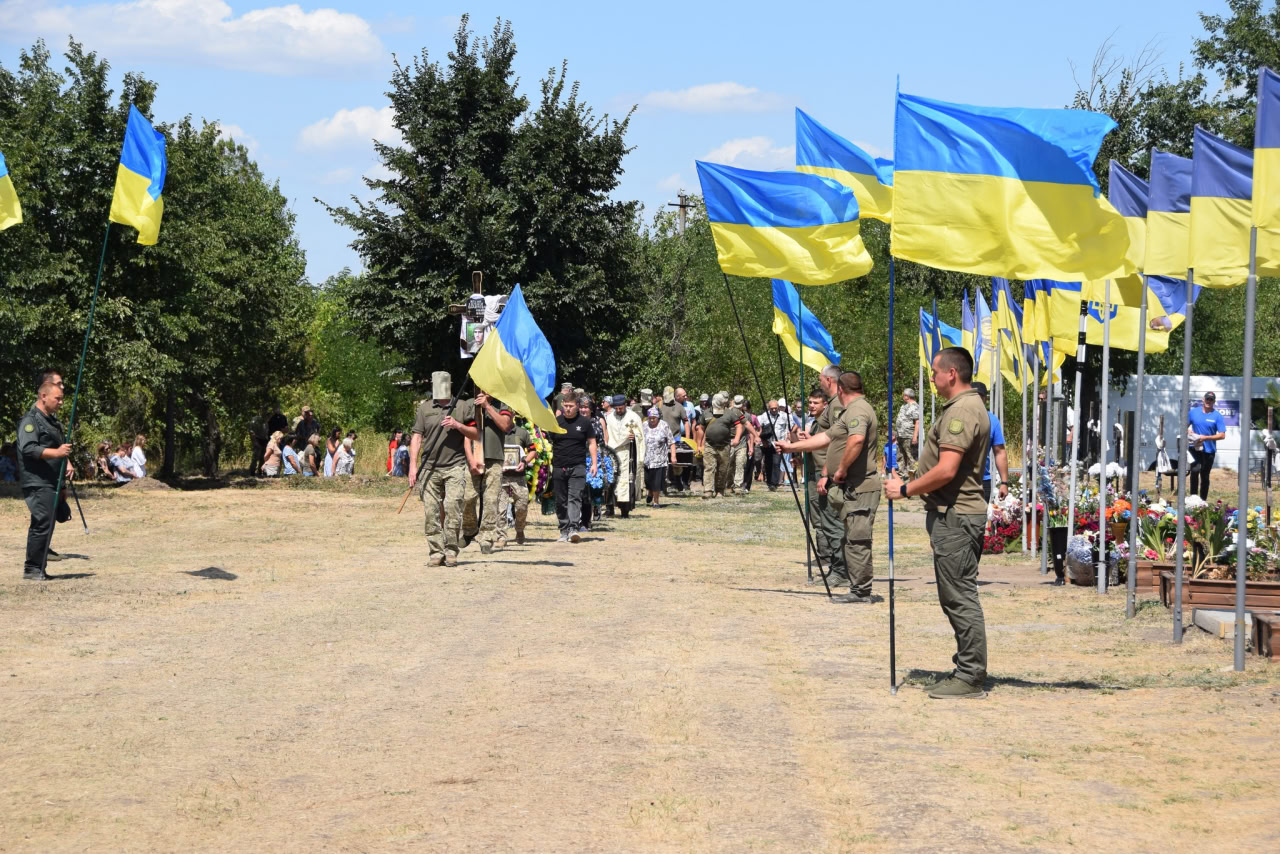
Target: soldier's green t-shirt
857	419
673	416
494	438
822	424
962	424
427	425
721	428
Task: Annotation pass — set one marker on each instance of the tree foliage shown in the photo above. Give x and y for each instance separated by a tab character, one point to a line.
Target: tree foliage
209	319
483	181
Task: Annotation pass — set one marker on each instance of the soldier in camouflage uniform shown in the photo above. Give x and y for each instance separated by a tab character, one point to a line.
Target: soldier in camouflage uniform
949	478
437	449
42	453
515	487
484	464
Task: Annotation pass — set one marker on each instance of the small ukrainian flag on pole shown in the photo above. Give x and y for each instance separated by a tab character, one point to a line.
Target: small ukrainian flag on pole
10	210
140	179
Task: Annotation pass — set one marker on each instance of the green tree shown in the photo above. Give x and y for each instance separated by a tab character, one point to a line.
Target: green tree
481	182
196	332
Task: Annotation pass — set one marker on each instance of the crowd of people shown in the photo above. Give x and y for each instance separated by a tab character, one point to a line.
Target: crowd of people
281	449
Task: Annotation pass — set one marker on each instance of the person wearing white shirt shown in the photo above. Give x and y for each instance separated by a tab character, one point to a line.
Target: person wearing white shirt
125	468
138	456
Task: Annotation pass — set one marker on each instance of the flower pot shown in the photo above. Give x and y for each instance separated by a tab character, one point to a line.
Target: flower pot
1120	531
1147	575
1219	593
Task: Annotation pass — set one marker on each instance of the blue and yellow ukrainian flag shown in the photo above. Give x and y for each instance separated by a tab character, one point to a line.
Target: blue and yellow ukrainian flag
1035	327
1266	153
1169	308
804	336
1125	310
140	179
10	209
1222	212
1168	215
1128	195
1008	328
968	327
930	343
821	152
985	356
515	364
1002	192
788	225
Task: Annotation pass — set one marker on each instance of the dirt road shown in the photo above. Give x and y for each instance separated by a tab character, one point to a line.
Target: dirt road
277	669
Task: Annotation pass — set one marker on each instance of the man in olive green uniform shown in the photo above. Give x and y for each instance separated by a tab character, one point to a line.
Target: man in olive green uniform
828	529
437	446
949	477
853	461
42	452
723	430
484	464
515	486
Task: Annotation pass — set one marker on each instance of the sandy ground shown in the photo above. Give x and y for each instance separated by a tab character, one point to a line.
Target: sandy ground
276	668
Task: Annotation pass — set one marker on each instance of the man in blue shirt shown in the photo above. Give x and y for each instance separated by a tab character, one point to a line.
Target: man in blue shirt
996	449
1207	427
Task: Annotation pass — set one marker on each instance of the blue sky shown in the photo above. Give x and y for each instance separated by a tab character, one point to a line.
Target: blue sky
302	85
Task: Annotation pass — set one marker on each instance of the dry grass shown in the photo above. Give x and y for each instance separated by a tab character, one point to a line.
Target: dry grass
670	684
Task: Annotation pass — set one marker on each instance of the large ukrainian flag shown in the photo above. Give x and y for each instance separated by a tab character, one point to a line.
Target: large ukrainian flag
1008	330
1002	192
821	152
1221	213
1266	153
10	209
783	224
804	336
1168	215
515	364
140	179
1128	195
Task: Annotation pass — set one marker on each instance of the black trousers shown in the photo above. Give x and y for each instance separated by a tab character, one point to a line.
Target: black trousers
40	502
1198	481
569	484
772	466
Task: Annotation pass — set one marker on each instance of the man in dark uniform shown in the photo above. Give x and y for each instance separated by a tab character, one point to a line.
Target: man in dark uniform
42	453
949	477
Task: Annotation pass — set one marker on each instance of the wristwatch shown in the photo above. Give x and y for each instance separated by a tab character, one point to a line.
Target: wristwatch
903	490
1003	483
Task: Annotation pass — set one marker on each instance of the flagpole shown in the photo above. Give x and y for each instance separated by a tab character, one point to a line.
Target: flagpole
75	395
1181	451
919	396
1035	454
1022	439
893	652
1135	461
804	404
1104	427
1075	411
1049	459
1246	422
760	390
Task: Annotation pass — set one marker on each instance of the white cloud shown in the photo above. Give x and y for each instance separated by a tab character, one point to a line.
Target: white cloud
354	127
274	39
238	134
727	97
673	183
753	152
337	176
873	149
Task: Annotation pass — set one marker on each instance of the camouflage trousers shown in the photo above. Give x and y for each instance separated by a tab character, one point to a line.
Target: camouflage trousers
442	496
515	495
480	506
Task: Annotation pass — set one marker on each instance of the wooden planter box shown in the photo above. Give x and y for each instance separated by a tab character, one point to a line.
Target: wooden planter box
1219	594
1148	575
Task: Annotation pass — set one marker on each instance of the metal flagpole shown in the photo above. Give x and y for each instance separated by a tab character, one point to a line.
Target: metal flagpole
1049	459
1104	429
1135	461
1246	421
1035	453
804	406
760	390
1180	428
919	425
75	395
893	670
1026	481
1076	431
